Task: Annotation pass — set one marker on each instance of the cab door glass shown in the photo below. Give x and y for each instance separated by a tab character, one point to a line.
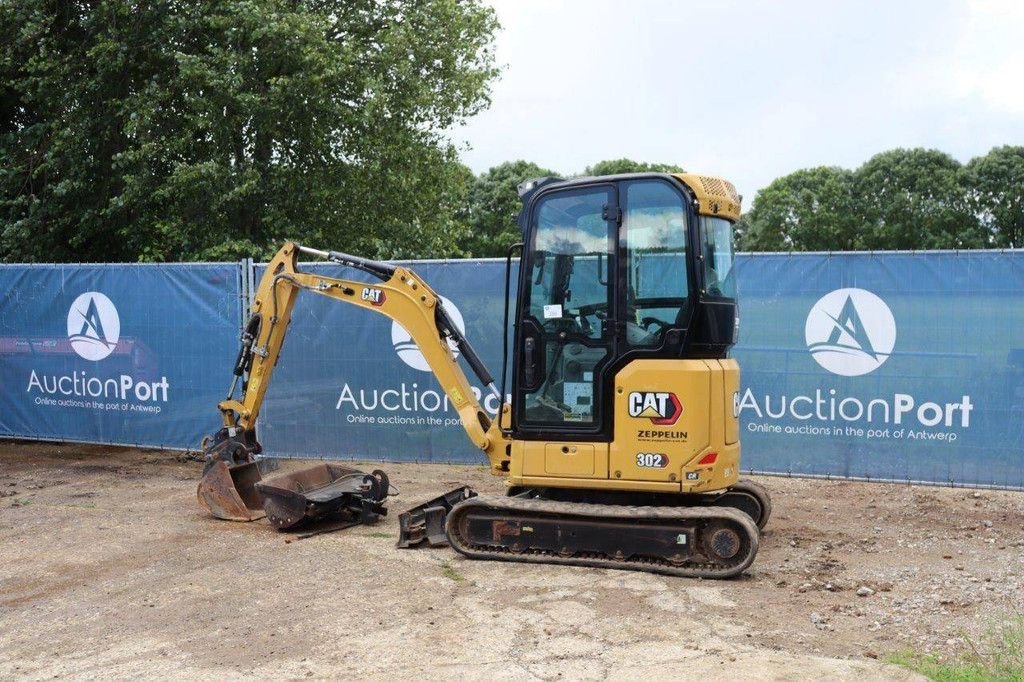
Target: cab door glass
657	282
570	265
719	273
569	302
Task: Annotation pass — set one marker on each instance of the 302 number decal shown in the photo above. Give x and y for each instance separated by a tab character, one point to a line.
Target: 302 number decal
651	460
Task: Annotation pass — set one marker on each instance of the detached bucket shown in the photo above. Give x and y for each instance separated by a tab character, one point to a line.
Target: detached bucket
324	491
229	492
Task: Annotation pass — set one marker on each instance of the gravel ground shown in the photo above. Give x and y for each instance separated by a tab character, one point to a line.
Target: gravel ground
108	568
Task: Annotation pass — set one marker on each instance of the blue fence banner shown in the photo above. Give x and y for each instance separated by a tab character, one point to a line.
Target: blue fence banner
124	354
900	366
881	366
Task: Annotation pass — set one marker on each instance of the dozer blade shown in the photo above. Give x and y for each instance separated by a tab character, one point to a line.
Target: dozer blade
229	492
425	522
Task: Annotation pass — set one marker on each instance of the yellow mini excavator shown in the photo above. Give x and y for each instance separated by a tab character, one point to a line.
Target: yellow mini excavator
620	445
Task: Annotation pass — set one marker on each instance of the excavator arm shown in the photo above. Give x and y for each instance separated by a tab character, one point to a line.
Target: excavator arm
227	489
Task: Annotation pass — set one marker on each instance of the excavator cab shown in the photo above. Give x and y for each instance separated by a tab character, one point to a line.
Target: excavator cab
615	269
622	381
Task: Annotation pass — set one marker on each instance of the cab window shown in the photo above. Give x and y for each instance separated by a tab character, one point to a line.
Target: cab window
656	270
568	304
719	275
570	267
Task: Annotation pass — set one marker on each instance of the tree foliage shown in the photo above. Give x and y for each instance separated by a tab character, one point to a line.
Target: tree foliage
493	207
215	129
812	210
899	199
914	199
996	194
618	166
218	128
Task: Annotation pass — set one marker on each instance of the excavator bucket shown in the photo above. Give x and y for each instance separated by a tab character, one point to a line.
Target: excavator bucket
228	487
322	492
232	487
229	492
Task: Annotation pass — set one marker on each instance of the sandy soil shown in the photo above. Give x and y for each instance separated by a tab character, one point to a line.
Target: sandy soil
109	569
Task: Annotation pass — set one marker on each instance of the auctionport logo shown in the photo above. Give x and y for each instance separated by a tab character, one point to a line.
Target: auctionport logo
850	332
93	326
407	348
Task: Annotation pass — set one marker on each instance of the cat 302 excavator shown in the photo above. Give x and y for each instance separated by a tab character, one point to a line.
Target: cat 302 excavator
620	444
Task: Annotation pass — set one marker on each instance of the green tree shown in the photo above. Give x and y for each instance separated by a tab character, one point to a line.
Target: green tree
215	129
995	185
810	210
915	199
493	207
618	166
741	233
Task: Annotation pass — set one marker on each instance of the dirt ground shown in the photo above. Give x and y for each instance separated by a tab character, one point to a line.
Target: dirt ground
108	568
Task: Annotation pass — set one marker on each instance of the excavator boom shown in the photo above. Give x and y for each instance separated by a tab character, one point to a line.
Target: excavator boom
228	489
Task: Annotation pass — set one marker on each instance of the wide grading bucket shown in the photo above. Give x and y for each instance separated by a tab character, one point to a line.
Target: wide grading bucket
324	491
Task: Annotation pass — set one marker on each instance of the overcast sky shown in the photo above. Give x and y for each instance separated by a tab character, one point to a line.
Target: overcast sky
749	90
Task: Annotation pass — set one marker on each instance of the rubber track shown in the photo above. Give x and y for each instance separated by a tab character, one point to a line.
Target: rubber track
695	569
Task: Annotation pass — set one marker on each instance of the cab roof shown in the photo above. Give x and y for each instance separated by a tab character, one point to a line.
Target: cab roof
715	196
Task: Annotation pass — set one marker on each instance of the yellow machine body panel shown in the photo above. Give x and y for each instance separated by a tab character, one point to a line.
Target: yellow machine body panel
732	401
670	418
715	196
576	460
676	430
